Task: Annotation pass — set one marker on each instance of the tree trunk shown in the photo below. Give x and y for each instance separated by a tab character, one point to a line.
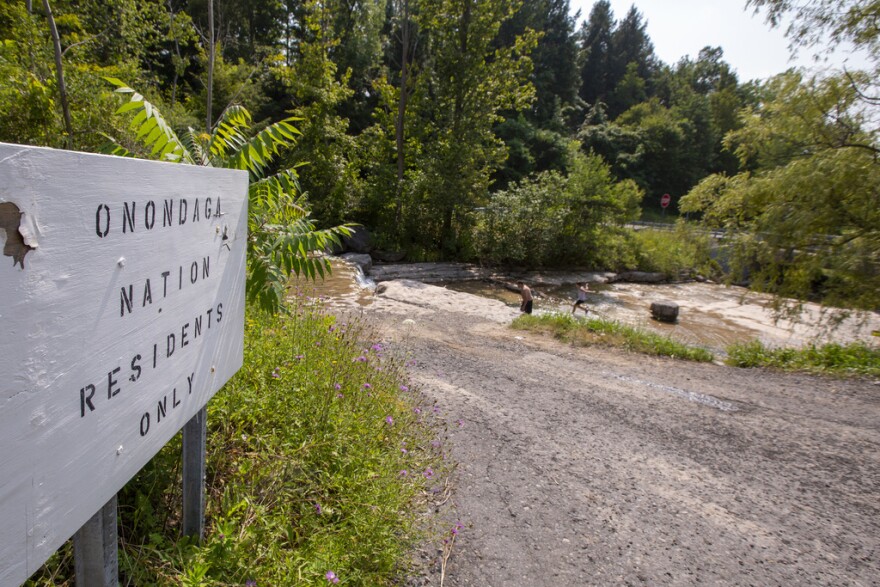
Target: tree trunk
59	72
405	31
211	52
176	52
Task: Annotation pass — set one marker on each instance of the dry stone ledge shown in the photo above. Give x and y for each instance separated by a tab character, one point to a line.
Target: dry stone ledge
639	277
365	262
664	311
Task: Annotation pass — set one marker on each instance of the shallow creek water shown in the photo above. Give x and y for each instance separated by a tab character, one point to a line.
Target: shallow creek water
713	316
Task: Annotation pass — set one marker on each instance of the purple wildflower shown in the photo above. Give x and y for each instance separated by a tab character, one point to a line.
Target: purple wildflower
337	386
331	576
318	508
417	410
361	359
367	386
250	583
389	420
429	472
339	395
403	473
404	388
460	423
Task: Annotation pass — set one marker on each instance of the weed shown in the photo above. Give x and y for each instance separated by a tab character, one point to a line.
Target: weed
834	359
306	445
611	333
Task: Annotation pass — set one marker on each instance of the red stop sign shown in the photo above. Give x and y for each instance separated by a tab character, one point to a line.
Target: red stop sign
665	199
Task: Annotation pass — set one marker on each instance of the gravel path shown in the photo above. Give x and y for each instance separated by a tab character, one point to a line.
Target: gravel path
599	467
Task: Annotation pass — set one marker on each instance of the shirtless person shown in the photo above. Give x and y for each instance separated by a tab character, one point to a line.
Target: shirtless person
526	293
583	290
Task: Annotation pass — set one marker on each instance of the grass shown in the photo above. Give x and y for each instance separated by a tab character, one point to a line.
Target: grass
609	333
674	252
319	460
855	359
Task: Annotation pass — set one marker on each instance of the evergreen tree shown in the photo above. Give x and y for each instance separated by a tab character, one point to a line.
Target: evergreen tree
595	54
555	73
630	64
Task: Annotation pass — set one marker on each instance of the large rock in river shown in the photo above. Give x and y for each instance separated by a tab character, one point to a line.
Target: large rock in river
664	311
359	241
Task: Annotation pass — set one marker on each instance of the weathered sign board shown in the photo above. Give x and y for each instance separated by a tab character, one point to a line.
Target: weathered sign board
121	314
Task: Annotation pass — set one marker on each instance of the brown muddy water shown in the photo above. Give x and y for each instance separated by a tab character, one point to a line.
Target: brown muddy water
711	315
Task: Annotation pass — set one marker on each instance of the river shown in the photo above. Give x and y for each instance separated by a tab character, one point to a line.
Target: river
711	315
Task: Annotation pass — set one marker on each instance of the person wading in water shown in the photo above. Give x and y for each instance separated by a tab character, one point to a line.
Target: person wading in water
581	302
526	293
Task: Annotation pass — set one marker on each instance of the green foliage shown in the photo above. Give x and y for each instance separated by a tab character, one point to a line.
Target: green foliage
807	217
597	331
553	219
305	469
455	105
832	359
686	250
30	110
318	92
281	236
826	24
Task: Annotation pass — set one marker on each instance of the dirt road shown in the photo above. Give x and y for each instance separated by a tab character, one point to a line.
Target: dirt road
599	467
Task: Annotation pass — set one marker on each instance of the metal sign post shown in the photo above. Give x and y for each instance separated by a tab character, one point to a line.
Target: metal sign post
664	203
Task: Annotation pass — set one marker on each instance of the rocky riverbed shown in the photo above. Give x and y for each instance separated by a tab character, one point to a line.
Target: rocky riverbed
711	315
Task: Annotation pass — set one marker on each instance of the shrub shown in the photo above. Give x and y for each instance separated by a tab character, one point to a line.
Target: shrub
836	359
318	457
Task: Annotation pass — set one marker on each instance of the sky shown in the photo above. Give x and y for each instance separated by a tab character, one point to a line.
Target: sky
683	27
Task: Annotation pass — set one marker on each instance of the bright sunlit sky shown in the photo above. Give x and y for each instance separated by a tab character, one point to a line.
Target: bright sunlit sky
683	27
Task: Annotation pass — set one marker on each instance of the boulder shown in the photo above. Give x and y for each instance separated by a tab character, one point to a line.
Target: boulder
359	241
664	311
365	262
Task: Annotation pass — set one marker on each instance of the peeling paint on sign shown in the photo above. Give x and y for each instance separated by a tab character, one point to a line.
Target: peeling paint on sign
10	221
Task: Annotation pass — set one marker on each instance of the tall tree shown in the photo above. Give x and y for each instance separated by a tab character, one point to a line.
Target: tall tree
318	91
470	83
595	53
630	64
555	75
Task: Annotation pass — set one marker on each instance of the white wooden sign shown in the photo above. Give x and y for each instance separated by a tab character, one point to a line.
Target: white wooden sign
121	314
